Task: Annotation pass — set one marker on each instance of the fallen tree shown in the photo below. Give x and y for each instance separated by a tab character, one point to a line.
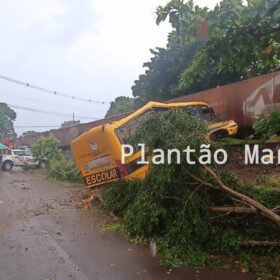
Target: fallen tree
177	204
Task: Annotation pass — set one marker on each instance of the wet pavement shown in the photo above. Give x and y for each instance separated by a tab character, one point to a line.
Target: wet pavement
45	235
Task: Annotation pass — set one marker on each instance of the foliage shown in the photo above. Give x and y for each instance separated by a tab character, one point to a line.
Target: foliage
185	129
47	148
60	168
173	209
163	72
210	48
64	170
186	19
119	200
69	123
7	116
229	141
268	181
121	105
122	229
266	267
267	126
243	43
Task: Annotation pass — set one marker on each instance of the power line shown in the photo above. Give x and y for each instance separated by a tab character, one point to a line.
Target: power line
49	112
56	93
43	102
35	126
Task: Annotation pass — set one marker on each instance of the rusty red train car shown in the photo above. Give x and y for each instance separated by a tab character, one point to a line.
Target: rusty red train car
64	135
242	101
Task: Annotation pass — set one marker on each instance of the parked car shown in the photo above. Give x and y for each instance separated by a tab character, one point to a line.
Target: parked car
18	157
25	148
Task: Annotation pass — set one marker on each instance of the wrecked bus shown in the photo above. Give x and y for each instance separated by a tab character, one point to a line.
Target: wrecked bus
97	152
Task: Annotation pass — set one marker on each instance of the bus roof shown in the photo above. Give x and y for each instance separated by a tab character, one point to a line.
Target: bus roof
138	112
153	104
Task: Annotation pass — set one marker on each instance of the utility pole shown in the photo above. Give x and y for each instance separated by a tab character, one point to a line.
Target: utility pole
73	116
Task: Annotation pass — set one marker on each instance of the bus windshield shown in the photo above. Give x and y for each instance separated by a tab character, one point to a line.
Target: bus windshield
204	113
124	132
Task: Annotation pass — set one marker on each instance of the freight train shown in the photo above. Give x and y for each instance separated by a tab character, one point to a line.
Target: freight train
64	135
242	102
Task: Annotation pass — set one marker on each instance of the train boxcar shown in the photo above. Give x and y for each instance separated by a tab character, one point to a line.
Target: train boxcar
242	101
64	135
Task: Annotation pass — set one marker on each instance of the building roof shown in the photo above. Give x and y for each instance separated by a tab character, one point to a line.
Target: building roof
3	147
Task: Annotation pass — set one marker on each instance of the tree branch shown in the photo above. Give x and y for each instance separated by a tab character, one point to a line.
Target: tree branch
200	180
260	243
244	210
261	208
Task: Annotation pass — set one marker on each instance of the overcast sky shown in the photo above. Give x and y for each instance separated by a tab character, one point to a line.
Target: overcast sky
88	48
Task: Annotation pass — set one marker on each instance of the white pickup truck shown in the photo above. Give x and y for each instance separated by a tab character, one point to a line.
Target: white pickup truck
23	158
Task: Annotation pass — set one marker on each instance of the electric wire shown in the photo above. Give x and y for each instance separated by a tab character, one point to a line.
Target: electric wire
53	92
45	102
35	126
50	112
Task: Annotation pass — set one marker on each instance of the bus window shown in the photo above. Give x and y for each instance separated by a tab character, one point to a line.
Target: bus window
204	113
127	130
213	115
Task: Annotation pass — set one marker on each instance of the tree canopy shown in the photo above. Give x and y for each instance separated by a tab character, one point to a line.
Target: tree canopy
47	148
209	48
121	105
7	116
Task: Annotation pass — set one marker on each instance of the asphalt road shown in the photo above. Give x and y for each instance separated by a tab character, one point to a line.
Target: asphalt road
44	234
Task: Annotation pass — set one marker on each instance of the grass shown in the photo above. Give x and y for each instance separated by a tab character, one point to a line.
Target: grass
230	141
122	229
271	181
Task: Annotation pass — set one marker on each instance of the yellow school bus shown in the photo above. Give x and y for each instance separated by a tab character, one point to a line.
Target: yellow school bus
97	152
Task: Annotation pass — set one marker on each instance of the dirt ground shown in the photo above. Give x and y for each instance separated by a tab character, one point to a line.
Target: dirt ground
249	173
44	234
